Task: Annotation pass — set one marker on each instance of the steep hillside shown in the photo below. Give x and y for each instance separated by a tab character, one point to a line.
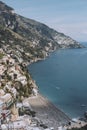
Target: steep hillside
29	38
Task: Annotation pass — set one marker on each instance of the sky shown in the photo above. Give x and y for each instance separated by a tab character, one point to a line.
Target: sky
66	16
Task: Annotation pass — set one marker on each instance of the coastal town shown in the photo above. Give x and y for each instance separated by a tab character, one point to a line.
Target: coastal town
22	42
15	110
24	111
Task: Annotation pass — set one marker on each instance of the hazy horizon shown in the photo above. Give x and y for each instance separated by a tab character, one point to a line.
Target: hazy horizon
68	17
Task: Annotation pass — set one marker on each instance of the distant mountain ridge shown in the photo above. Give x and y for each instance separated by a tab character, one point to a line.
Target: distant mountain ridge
31	38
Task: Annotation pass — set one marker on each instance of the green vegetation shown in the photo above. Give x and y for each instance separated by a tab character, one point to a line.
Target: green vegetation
31	36
1	55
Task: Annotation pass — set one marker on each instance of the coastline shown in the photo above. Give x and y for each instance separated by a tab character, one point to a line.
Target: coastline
51	115
47	112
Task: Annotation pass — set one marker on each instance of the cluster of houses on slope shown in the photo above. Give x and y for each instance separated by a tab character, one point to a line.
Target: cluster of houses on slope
9	114
9	67
10	118
5	102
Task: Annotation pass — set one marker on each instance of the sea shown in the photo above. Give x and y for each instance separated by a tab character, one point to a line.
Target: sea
62	78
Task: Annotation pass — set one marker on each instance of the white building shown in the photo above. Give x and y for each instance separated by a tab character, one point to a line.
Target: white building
2	93
7	99
35	92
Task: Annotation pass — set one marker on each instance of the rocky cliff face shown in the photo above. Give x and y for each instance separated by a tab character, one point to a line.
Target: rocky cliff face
29	39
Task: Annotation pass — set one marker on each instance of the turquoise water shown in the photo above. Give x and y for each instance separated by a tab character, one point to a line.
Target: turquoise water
62	78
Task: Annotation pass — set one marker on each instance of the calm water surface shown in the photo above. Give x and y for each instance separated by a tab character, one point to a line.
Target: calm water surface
62	78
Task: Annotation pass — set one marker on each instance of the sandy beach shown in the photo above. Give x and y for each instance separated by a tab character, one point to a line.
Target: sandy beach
48	113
